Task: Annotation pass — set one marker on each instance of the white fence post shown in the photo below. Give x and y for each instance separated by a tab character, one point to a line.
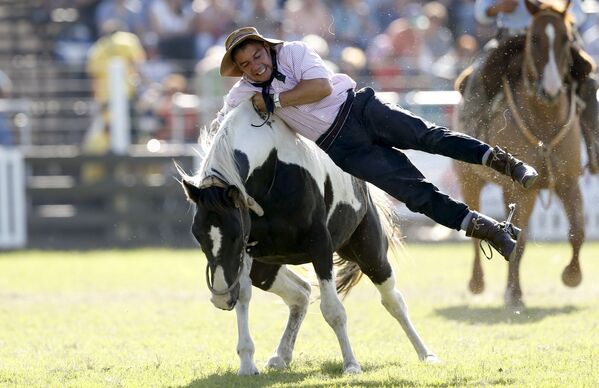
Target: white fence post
12	199
120	122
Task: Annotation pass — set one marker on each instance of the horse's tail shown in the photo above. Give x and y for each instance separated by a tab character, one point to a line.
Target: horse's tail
389	218
349	273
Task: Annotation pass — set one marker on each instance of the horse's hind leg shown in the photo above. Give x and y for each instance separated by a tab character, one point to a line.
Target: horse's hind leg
295	292
395	304
330	305
569	193
368	248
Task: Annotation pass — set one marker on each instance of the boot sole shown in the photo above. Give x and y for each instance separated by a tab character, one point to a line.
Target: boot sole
512	254
528	182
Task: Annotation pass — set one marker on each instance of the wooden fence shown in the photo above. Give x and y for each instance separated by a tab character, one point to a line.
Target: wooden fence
93	201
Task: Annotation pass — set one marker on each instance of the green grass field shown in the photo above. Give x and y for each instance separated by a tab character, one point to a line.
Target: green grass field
143	318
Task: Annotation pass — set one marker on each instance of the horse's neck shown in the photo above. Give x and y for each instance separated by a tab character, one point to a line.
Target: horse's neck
539	112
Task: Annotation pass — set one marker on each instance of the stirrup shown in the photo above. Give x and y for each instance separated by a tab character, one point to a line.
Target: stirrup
507	227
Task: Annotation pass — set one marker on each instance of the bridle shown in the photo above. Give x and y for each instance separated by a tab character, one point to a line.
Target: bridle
214	181
544	148
210	281
529	65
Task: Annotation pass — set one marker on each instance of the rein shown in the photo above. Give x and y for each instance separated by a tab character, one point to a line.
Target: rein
544	149
214	181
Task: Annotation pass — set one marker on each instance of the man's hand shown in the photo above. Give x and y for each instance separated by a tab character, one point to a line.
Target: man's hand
508	6
503	6
259	103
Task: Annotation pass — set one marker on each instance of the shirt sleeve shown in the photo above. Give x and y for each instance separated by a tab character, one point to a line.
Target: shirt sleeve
579	15
480	11
303	61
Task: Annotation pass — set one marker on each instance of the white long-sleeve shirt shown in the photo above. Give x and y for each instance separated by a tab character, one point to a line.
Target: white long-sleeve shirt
297	61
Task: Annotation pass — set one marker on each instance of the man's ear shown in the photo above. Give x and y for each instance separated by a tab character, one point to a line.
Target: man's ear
191	191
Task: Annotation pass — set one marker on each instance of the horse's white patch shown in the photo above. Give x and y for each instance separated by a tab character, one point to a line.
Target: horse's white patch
258	143
552	81
216	237
219	282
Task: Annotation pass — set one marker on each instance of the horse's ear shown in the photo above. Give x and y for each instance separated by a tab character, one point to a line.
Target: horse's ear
235	195
247	203
532	6
192	192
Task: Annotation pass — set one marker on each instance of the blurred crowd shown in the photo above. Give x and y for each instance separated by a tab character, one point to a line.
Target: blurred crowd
360	36
175	46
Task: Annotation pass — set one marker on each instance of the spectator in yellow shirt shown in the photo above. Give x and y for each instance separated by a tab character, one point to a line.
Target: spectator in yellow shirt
115	43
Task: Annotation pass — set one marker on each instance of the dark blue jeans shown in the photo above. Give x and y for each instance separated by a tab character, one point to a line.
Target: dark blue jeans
368	147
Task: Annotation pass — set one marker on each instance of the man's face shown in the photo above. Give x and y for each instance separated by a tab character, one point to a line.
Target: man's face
254	61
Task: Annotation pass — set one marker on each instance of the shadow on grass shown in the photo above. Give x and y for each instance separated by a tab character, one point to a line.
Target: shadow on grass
330	373
264	379
499	315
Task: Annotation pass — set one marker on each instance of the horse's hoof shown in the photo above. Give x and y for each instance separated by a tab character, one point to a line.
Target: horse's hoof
514	303
276	362
571	276
476	287
352	369
248	371
432	359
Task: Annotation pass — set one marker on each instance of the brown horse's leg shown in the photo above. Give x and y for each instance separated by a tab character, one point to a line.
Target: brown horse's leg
569	193
471	185
524	200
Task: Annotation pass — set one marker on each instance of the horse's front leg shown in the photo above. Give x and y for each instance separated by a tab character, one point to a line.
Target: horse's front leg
569	194
525	201
295	292
245	345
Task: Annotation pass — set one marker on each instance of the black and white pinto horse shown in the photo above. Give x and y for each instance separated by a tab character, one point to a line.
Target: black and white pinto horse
266	197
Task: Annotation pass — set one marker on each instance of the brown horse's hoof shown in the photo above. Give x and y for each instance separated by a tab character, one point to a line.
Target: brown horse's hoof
476	286
572	276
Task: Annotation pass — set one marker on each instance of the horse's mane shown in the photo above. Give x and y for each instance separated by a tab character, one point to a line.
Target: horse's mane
218	156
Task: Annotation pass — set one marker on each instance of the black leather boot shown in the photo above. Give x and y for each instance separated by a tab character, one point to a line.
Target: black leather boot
501	236
505	163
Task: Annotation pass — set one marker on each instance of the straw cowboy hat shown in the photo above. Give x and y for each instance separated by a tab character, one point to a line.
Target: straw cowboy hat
228	68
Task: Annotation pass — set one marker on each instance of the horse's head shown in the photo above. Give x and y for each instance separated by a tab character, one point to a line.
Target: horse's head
547	54
221	225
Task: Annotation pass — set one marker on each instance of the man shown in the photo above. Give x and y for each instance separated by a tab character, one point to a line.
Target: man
512	19
360	133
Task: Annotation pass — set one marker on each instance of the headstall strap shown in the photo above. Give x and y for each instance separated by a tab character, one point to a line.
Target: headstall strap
212	181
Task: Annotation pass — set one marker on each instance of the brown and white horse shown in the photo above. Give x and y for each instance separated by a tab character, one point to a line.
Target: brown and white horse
534	116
